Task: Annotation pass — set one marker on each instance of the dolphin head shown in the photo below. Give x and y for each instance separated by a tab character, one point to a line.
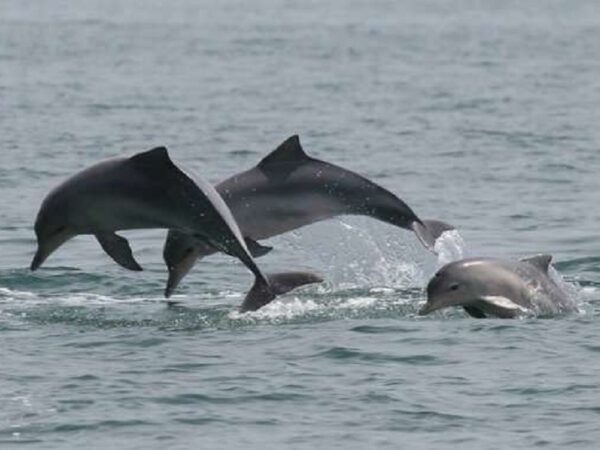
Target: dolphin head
179	255
460	283
52	228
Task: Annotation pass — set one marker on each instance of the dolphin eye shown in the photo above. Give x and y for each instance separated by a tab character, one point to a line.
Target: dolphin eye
454	286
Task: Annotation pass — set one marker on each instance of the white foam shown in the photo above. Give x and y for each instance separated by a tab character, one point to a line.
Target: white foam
287	309
589	292
571	289
382	290
278	310
26	298
357	303
359	252
6	293
230	294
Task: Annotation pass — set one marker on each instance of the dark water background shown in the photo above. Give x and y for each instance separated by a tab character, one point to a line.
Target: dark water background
485	114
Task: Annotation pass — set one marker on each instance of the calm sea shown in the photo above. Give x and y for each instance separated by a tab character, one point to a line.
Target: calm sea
484	114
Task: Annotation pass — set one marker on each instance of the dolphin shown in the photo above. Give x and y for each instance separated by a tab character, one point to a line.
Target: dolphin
287	190
498	287
148	190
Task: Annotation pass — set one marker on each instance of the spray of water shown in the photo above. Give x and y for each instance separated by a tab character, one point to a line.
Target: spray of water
370	269
450	247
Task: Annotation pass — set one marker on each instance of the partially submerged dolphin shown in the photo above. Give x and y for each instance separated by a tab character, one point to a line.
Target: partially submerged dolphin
287	190
148	190
497	287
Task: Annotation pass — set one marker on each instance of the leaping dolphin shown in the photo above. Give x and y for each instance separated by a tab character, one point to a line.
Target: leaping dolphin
287	190
148	190
498	287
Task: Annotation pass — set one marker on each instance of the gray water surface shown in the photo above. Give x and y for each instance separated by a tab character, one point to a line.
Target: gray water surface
482	114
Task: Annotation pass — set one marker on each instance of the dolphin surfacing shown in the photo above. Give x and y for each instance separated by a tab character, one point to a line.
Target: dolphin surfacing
148	190
287	190
498	287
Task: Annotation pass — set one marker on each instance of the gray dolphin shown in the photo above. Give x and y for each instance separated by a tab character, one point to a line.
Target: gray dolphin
497	287
287	190
148	190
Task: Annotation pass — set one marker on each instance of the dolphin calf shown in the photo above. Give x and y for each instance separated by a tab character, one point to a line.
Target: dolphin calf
287	190
148	190
497	287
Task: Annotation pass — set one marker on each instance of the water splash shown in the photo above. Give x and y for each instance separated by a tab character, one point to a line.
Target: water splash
340	305
358	252
450	246
570	288
29	299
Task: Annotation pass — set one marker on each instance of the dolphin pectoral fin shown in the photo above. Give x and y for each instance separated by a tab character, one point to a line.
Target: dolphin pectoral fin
500	306
263	293
428	231
542	262
256	250
473	311
118	249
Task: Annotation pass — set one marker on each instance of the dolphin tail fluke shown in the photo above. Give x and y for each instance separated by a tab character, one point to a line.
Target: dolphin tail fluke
257	250
428	231
264	292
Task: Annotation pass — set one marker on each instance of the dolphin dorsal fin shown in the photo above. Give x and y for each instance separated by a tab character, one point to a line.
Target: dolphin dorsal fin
289	151
542	262
152	160
155	156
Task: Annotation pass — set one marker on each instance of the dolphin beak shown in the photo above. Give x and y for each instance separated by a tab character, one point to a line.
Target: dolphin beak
428	308
425	309
47	246
39	257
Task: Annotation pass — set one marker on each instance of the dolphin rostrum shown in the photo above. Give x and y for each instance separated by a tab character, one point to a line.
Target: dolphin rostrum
148	190
498	287
287	190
